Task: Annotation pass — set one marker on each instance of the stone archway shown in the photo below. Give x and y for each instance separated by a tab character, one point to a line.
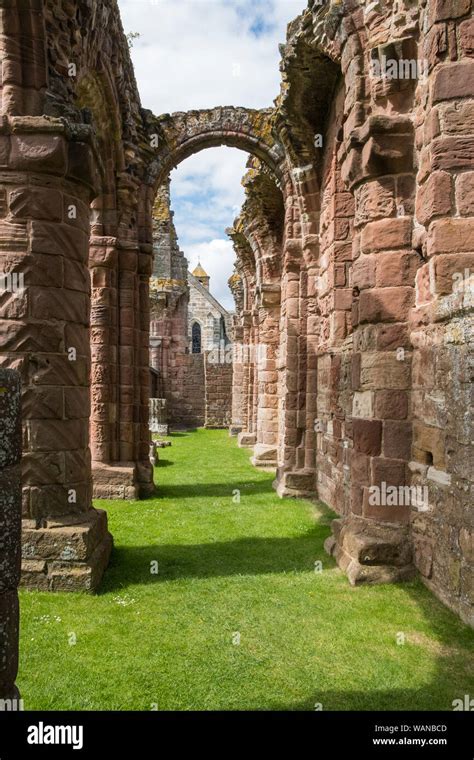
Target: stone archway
175	137
172	139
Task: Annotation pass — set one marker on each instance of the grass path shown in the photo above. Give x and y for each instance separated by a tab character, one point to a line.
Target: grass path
233	571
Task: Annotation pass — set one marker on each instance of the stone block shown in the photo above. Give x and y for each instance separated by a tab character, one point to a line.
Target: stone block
397	439
396	268
246	440
70	553
36	203
452	153
434	197
466	36
449	269
451	236
363	404
391	404
360	472
465	193
385	304
432	441
38	152
392	472
367	435
458	118
454	80
444	10
386	234
383	370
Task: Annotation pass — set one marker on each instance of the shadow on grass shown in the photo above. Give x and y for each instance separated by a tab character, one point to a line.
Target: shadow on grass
181	433
447	638
191	491
244	556
453	668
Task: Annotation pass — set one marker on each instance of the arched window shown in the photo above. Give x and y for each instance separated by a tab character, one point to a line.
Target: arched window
196	338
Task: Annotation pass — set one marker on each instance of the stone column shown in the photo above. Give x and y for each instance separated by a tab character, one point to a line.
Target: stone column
103	266
237	378
255	344
10	529
247	437
48	178
265	450
371	543
144	469
292	478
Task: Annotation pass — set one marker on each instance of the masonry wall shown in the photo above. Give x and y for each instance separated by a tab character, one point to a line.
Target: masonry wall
441	324
376	328
188	405
332	331
218	393
355	262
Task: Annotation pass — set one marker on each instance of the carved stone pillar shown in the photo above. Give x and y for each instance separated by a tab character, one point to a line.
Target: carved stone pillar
292	477
247	437
49	178
265	450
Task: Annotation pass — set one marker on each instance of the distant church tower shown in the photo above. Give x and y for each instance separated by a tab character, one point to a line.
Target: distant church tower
209	324
201	275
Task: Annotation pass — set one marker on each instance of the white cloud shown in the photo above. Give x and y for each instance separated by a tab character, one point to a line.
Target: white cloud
190	51
217	258
195	54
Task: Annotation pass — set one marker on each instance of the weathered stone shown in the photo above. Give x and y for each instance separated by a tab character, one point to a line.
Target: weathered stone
10	528
454	80
350	332
434	197
367	436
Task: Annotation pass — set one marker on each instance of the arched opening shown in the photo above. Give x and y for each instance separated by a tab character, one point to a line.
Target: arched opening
197	262
196	338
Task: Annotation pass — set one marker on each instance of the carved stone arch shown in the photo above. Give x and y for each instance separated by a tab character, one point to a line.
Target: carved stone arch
177	136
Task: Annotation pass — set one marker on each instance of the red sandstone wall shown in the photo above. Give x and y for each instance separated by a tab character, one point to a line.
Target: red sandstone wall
187	406
441	324
218	394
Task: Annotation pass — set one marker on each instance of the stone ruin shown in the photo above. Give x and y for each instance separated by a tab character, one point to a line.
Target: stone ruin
194	389
353	284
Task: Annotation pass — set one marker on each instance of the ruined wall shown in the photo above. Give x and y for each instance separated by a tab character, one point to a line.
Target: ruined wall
332	343
177	298
375	333
441	324
218	392
188	404
74	226
353	279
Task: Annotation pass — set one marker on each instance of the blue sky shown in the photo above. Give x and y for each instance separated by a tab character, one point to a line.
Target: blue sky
200	54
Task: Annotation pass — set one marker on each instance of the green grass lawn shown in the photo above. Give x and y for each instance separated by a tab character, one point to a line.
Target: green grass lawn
236	618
